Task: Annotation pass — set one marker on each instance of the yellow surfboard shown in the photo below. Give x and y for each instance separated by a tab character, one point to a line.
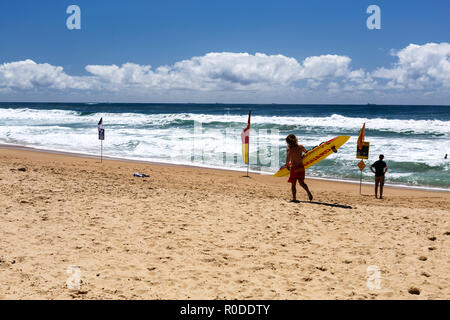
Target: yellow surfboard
317	154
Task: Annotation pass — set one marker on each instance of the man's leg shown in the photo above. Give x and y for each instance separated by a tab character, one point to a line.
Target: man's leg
376	187
303	184
294	192
381	187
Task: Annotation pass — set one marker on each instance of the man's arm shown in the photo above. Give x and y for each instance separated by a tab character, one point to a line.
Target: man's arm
371	169
288	156
385	169
303	150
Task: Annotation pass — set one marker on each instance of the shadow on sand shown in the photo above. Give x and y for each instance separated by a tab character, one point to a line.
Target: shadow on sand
328	204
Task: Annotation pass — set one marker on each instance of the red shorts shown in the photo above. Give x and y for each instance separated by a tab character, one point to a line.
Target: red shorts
297	173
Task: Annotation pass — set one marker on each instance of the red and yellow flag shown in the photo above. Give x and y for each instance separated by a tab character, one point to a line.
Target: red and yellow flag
361	137
245	137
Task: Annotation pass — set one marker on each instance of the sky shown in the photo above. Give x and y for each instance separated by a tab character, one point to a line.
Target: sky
226	51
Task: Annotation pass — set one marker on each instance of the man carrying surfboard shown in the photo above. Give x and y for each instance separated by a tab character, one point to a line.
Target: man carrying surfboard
294	161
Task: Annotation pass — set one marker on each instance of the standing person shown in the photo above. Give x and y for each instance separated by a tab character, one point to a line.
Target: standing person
294	161
380	170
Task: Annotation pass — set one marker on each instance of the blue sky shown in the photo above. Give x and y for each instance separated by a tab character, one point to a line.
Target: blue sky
162	33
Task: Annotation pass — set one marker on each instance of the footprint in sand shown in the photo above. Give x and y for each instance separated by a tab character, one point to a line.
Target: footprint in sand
347	261
414	290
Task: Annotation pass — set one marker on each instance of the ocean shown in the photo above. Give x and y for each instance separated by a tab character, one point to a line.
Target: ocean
413	139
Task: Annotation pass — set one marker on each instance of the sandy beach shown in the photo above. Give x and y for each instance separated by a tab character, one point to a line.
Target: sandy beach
193	233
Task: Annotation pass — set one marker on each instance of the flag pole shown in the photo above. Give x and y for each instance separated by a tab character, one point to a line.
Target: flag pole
360	182
248	163
359	147
245	136
101	137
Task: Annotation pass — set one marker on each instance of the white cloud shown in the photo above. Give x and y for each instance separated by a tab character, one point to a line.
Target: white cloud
419	67
240	69
29	74
213	71
359	80
127	74
226	70
219	74
333	87
325	66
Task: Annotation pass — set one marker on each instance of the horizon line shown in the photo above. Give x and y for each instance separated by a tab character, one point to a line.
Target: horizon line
233	103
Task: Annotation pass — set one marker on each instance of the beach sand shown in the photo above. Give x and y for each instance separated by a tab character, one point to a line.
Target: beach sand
192	233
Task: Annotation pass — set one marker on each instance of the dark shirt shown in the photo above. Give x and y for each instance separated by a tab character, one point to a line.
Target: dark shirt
379	167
